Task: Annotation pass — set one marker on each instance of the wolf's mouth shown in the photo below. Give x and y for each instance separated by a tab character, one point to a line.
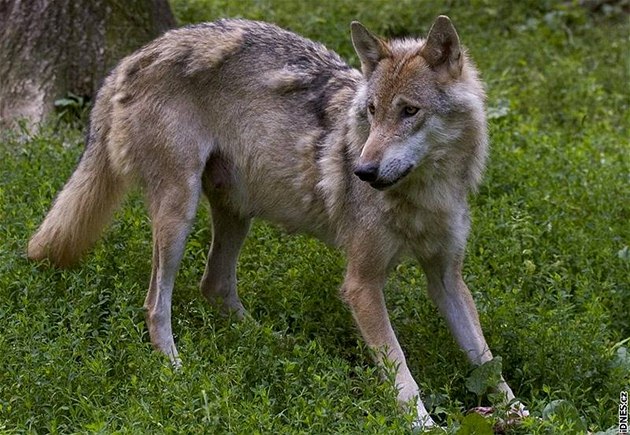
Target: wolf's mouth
385	184
378	185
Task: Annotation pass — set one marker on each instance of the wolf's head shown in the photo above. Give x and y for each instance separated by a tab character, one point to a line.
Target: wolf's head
424	104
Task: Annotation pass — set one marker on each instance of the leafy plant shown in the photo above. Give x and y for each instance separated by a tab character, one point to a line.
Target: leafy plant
72	108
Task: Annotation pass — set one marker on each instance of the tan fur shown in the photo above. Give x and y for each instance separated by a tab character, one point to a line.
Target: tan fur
84	206
268	124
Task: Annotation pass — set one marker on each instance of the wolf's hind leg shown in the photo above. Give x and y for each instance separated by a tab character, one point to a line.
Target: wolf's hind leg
173	204
218	284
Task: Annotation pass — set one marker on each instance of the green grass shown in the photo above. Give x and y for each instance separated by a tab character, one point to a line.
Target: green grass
548	263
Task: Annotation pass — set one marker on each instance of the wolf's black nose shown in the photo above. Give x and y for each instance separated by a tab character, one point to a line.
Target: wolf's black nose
367	173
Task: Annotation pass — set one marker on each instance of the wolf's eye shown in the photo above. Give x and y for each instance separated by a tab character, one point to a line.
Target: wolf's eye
410	110
371	108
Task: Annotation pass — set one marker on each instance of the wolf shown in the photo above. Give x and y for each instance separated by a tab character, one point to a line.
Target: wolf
267	124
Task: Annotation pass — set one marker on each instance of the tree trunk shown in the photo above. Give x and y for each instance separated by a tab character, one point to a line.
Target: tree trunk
49	48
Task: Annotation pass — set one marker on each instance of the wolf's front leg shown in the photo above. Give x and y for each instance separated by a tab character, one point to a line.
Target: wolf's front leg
363	291
452	297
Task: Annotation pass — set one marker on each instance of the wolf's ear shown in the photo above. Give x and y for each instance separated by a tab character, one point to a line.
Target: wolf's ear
370	48
442	49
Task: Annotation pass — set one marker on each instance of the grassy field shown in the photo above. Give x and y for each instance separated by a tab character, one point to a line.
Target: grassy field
548	263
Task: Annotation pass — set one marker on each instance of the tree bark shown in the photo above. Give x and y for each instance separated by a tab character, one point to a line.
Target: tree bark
49	48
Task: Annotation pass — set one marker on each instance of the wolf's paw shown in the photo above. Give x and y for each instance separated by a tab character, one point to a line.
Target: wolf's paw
518	411
229	306
176	364
425	424
513	416
484	411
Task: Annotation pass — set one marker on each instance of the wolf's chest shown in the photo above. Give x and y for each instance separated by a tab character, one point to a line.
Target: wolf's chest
425	228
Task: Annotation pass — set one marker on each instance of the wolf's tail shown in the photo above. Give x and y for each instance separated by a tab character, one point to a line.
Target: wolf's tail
82	208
